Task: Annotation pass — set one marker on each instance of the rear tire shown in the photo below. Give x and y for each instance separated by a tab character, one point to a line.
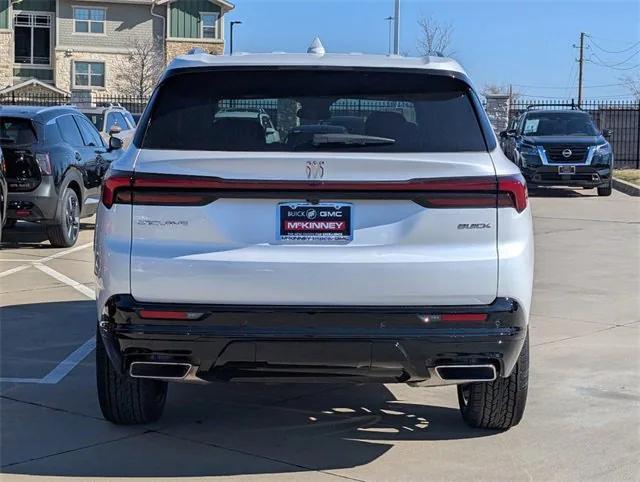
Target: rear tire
125	400
64	232
498	404
605	190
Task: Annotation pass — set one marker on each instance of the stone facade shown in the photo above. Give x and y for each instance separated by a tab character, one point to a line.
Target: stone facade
6	58
497	109
179	47
113	67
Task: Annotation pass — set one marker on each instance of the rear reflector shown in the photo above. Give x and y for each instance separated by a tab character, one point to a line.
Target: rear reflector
454	317
464	317
169	315
464	192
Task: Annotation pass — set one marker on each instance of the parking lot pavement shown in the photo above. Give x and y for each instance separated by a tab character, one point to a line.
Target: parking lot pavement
582	418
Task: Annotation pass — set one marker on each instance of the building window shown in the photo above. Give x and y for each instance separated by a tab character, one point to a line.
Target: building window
208	25
88	20
32	38
88	75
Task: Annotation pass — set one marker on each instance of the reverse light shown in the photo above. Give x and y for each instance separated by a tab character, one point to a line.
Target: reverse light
44	163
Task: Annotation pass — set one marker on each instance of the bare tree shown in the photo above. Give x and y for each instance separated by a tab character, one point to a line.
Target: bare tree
632	85
435	36
138	72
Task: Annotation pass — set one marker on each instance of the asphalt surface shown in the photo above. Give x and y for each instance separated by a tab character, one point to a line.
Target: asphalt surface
582	419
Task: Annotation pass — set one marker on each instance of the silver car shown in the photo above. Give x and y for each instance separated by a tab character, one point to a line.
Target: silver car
112	120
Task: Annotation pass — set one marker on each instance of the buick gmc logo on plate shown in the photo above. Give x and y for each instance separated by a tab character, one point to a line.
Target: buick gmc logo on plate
324	222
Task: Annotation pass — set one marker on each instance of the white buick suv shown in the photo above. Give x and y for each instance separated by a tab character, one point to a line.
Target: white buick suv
384	237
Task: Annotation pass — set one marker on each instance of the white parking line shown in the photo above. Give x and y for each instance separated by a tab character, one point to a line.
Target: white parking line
85	290
63	253
17	269
69	363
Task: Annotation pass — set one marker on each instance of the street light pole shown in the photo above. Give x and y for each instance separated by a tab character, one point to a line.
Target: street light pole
396	18
389	19
232	24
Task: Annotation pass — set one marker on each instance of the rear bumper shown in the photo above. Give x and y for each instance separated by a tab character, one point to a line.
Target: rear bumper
37	205
314	343
585	176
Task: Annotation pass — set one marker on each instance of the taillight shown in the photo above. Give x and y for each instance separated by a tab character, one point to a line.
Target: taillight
512	192
116	184
464	192
44	163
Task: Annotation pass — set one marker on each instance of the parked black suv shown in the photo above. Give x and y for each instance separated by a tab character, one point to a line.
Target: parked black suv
560	147
55	160
3	194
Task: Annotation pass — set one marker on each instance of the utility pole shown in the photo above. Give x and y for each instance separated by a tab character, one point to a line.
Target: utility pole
396	39
581	66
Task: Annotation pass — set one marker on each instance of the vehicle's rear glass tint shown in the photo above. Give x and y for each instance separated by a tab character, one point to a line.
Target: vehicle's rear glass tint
16	131
310	110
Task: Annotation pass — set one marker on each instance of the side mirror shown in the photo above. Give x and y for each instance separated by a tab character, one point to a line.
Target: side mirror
114	143
512	133
115	129
607	133
503	134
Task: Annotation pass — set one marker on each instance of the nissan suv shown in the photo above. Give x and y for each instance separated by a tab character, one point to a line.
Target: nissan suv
401	254
561	148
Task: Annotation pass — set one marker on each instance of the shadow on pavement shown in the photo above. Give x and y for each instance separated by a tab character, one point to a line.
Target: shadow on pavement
217	429
560	192
30	235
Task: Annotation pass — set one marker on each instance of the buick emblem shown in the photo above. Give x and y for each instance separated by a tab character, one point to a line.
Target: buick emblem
315	169
567	153
311	213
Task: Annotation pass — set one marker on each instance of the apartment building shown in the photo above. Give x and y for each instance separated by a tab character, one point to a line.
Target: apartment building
77	45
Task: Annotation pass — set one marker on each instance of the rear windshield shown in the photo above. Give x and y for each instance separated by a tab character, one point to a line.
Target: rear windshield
558	124
284	110
16	130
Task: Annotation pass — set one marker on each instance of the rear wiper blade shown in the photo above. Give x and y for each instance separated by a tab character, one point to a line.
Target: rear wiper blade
352	140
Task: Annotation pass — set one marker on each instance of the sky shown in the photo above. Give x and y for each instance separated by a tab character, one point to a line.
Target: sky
527	43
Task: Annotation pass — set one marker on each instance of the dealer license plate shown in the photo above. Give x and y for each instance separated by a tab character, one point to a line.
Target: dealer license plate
323	222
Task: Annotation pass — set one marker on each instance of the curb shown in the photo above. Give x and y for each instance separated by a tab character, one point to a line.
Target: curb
626	187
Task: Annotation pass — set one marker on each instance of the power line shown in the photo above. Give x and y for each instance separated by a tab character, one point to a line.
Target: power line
616	64
614	68
595	44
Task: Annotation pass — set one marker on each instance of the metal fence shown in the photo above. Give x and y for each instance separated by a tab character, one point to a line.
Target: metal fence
622	117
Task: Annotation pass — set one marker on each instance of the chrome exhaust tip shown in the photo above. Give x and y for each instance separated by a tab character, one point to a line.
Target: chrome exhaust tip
159	370
467	373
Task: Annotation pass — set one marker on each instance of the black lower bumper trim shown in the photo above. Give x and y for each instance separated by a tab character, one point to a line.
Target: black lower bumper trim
314	343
